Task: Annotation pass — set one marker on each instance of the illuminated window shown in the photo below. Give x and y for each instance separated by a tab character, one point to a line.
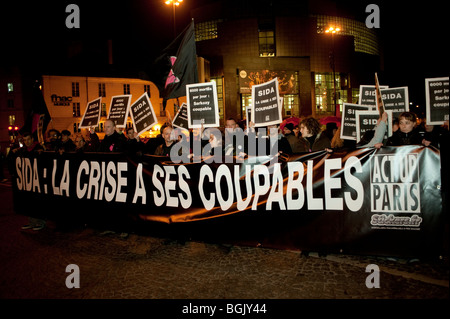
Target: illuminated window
290	104
10	87
206	30
267	43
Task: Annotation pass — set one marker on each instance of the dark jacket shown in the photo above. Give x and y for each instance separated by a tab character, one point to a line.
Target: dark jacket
321	142
113	143
399	138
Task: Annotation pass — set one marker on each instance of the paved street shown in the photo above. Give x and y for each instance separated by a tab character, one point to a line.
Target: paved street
139	266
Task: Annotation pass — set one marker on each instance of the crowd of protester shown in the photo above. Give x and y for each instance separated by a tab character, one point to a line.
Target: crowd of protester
235	139
308	136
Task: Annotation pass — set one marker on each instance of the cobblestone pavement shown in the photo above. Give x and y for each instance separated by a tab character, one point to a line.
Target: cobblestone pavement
112	266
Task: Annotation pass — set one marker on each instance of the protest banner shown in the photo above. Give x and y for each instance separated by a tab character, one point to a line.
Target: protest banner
437	100
202	105
395	100
118	110
266	109
367	95
348	120
181	118
91	117
142	114
367	120
373	201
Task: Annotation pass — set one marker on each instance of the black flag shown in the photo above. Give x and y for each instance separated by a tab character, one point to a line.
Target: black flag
176	66
39	116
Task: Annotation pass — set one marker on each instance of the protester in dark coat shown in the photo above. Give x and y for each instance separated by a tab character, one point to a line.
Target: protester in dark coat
312	135
112	142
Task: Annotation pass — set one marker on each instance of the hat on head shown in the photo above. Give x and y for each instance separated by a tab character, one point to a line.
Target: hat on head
289	126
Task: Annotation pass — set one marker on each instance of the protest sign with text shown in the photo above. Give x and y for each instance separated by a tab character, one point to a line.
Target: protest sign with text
348	120
142	114
91	117
202	105
367	120
437	100
395	100
181	118
119	108
367	94
266	108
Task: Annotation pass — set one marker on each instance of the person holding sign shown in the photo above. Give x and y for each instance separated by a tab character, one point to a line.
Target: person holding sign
112	142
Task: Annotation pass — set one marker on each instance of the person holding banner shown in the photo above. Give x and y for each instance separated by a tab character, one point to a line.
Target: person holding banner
112	142
134	144
407	133
312	135
164	148
297	145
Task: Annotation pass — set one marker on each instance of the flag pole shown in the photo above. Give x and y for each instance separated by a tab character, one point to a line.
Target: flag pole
379	100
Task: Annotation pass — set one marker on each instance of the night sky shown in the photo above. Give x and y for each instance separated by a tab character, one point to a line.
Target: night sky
34	36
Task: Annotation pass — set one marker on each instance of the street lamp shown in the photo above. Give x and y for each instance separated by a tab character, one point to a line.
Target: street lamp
174	3
333	30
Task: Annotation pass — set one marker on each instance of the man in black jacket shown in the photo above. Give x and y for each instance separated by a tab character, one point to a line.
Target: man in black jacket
112	142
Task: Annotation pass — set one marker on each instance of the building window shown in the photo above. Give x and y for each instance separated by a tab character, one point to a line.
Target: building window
206	30
101	90
12	119
75	89
246	101
10	87
126	89
147	89
267	43
324	92
365	39
76	128
290	105
76	109
103	112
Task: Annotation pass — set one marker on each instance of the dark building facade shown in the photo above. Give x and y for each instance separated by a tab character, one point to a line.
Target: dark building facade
252	41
